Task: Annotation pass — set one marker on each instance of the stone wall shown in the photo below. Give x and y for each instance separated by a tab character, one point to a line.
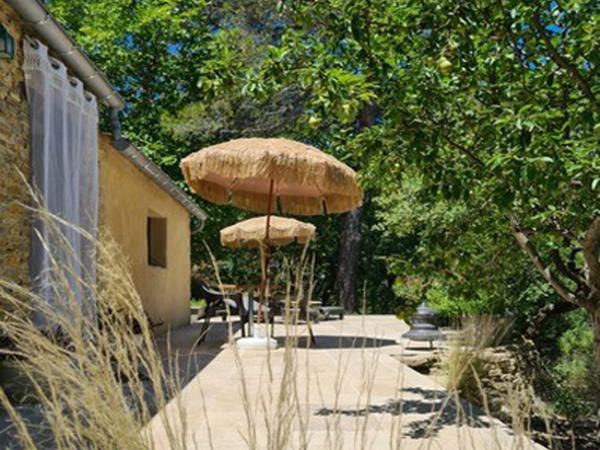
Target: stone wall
14	158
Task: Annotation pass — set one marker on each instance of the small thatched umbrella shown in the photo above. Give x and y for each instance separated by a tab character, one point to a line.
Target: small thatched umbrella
266	174
251	234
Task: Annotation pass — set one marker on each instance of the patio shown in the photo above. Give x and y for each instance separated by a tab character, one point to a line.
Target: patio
348	393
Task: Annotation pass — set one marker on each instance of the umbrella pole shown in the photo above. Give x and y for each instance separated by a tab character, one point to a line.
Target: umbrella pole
266	256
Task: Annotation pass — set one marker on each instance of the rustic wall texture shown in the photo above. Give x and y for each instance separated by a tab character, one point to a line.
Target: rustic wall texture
14	158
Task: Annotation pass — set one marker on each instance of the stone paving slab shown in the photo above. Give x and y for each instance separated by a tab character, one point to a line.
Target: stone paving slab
350	394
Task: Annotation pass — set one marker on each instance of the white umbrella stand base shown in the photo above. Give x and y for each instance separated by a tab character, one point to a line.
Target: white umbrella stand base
259	339
256	343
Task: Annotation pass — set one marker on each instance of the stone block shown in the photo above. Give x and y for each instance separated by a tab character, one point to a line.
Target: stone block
14	157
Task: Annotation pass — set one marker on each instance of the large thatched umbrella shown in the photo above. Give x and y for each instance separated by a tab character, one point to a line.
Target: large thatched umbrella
261	174
265	174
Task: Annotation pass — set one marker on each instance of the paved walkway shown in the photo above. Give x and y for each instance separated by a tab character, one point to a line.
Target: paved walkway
348	393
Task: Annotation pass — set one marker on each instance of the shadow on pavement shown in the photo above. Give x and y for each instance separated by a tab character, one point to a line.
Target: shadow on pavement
324	342
180	354
185	359
439	408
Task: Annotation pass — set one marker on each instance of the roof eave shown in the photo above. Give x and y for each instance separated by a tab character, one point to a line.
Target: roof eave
151	170
51	32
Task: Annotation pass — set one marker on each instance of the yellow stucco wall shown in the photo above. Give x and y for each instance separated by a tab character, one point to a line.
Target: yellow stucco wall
127	199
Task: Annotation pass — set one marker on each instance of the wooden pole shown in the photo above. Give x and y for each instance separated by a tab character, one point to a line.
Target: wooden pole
265	253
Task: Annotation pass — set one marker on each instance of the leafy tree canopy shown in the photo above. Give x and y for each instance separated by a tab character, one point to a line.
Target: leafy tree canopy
483	122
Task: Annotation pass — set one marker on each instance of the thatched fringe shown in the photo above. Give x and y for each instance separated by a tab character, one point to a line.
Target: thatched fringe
282	231
307	181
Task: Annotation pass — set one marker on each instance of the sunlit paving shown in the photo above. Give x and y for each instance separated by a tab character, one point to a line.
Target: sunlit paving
347	390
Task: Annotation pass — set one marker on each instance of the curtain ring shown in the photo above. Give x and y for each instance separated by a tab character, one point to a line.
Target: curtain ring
34	43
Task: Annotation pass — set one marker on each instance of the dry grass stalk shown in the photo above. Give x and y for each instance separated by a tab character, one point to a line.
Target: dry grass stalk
90	374
470	369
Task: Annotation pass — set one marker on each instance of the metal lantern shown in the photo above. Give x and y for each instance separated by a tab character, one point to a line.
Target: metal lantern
423	326
7	44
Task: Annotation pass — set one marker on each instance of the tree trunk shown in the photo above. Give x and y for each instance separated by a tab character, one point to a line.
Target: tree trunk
348	259
595	315
349	247
591	256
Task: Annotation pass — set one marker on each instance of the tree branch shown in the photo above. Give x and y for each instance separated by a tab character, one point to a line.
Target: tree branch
567	234
566	271
534	256
545	312
563	62
571	261
463	150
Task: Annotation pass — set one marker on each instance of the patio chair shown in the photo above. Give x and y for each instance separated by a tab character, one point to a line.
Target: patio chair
217	304
328	311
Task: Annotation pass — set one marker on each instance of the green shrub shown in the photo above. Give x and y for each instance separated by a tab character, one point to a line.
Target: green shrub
573	371
408	296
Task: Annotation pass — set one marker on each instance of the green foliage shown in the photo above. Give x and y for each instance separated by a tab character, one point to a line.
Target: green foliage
475	120
447	305
151	51
573	373
410	294
465	258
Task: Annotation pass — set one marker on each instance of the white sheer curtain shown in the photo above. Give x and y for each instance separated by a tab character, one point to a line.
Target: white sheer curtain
64	164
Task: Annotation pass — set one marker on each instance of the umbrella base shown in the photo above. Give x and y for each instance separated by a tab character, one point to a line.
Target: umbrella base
256	343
